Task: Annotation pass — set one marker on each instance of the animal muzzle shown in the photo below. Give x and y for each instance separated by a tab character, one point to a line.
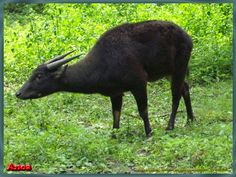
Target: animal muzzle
19	95
22	96
26	92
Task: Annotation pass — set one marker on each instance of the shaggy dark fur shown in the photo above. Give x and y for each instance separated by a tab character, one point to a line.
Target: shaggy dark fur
124	59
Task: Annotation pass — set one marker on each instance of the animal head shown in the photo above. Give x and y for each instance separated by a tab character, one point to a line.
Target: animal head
45	78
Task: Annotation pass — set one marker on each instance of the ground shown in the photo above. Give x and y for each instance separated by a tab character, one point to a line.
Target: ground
72	133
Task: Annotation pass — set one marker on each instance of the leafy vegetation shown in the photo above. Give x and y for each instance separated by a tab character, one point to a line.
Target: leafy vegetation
71	133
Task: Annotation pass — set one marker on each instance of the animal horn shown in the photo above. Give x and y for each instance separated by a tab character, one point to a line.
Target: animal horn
58	57
59	63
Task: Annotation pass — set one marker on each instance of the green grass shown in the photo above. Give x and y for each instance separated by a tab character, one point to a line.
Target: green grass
72	133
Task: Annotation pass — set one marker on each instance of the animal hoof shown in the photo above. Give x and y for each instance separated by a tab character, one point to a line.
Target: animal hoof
169	128
188	123
149	135
113	134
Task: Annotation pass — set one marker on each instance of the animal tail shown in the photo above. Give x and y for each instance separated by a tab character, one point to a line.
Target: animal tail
187	75
187	72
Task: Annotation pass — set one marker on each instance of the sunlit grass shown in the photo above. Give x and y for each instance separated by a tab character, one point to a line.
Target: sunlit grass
72	133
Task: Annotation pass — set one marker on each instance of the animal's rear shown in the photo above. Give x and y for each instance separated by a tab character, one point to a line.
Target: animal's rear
162	43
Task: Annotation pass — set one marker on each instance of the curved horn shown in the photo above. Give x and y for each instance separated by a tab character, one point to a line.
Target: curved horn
56	64
58	57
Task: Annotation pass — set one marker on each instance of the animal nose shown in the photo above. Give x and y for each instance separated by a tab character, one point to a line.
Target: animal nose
18	94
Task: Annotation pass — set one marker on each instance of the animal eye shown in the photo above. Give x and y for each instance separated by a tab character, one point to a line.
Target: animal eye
39	76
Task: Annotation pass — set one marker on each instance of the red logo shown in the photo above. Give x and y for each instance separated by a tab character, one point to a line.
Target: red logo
12	167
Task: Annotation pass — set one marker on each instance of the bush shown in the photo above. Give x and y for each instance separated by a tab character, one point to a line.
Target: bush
23	9
34	37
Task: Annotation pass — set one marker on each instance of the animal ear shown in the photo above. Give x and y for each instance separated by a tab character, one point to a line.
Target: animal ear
60	71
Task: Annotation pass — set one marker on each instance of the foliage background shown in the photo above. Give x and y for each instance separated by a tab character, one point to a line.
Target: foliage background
59	134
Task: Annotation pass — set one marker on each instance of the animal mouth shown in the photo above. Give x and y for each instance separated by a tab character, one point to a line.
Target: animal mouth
30	96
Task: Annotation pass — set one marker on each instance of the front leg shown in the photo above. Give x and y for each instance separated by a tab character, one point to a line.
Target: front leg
116	102
140	95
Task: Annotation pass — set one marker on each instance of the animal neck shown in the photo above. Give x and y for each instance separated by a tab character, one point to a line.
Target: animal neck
81	77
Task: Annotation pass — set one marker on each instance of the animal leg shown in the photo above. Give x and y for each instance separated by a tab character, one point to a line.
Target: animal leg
116	102
140	96
187	101
177	83
176	87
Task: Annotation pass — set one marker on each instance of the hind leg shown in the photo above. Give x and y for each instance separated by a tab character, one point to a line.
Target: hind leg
187	101
176	87
177	84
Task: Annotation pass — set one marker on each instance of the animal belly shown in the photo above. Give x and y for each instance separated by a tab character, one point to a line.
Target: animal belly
158	72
